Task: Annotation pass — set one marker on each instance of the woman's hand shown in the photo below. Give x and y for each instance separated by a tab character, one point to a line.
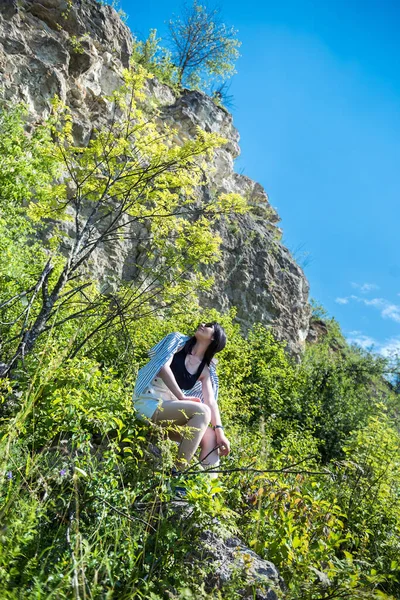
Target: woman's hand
223	442
190	398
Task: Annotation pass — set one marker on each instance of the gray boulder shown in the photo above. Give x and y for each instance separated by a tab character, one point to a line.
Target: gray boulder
230	558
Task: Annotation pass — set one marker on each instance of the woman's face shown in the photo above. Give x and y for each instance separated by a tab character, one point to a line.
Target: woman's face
205	332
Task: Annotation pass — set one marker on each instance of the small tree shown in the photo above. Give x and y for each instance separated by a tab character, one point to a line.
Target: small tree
220	95
156	59
202	46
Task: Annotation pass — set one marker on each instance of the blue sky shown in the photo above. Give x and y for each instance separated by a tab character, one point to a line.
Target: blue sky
316	100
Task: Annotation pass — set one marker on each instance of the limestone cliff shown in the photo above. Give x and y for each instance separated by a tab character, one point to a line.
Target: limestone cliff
78	50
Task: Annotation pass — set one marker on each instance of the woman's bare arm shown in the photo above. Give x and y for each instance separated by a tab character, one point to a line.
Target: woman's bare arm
209	399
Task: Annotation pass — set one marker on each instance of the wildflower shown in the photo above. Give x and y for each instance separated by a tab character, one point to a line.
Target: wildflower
63	472
9	475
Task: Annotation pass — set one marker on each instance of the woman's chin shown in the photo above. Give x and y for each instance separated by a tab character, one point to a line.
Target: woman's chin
199	335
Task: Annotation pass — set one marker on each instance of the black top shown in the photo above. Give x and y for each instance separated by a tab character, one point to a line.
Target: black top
184	379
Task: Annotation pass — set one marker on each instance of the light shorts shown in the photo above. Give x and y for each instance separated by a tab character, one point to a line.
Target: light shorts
147	403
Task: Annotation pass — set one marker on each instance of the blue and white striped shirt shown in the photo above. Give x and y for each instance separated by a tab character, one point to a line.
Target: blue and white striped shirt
159	355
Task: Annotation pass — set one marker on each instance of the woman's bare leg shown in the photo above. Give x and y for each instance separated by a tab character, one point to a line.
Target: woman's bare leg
195	415
207	444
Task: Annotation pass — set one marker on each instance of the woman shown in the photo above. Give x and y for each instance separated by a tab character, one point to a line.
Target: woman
179	385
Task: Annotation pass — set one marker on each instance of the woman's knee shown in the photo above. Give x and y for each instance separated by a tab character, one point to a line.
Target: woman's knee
206	412
202	414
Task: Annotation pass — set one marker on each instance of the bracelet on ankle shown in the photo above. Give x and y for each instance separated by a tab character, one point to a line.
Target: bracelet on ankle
217	427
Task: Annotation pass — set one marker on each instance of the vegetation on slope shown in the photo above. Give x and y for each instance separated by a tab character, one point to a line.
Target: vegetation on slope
87	508
312	483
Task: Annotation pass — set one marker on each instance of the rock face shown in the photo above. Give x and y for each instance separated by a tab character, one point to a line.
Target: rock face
77	50
260	578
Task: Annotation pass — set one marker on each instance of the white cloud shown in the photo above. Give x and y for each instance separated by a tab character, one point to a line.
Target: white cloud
388	309
388	348
392	311
365	341
391	347
342	300
378	302
365	287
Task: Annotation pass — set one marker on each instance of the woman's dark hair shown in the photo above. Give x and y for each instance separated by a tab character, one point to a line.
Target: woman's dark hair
216	345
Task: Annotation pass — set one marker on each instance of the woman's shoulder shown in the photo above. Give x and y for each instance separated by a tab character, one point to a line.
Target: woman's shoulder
209	370
175	334
174	340
205	373
168	343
